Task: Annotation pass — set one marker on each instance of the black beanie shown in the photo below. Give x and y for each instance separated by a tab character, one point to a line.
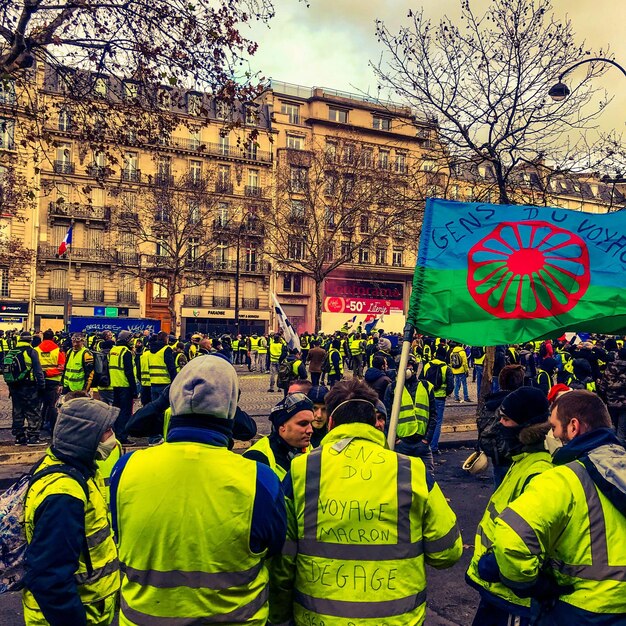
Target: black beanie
526	404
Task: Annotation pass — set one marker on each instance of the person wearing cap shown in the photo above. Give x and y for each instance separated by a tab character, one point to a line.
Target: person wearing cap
78	372
122	372
320	418
196	522
561	542
72	568
26	393
292	428
192	348
524	425
363	522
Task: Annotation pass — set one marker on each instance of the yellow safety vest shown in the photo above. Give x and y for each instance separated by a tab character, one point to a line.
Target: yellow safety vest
116	367
361	553
193	351
334	371
145	368
254	343
355	347
262	346
276	349
414	412
263	446
106	467
212	573
158	370
104	583
49	360
75	378
177	361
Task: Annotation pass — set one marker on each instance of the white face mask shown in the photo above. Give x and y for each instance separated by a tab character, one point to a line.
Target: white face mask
552	443
409	373
105	448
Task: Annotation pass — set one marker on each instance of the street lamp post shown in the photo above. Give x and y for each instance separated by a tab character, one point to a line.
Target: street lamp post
560	91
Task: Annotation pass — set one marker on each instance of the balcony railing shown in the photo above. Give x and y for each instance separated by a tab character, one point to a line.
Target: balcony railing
250	303
85	255
123	257
127	297
133	176
56	293
80	211
63	167
223	187
221	302
192	300
164	180
230	265
98	171
253	191
93	295
236	152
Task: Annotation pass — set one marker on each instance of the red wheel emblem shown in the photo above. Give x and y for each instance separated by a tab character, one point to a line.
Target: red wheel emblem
528	270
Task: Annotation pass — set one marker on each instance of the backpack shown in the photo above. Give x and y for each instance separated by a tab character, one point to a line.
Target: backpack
326	364
14	367
101	375
13	542
285	374
434	375
455	360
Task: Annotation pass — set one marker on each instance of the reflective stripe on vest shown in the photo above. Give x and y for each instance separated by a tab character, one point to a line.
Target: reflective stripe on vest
116	367
177	361
414	412
333	370
263	446
262	347
254	343
74	378
355	347
50	361
158	370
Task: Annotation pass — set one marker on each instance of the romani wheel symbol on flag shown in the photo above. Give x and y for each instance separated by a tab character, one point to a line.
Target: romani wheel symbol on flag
528	270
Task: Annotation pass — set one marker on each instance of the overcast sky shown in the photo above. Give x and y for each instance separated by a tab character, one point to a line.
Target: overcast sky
330	43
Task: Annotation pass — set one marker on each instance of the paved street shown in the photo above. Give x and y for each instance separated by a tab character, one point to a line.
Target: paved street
451	602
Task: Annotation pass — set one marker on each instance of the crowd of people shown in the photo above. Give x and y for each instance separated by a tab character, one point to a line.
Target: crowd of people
318	522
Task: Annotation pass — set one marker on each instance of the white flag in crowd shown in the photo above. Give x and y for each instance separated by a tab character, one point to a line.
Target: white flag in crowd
290	335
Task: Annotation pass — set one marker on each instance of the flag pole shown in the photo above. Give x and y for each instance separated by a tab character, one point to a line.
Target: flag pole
400	378
68	282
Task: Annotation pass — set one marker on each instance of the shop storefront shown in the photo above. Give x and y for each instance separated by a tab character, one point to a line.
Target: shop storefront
344	298
13	315
221	321
51	315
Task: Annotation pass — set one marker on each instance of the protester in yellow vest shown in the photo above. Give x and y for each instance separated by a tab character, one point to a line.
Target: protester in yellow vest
160	363
524	424
78	372
225	514
122	371
72	568
364	521
561	542
291	434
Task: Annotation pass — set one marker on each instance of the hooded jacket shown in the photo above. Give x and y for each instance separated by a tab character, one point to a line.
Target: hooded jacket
155	346
612	385
47	346
378	380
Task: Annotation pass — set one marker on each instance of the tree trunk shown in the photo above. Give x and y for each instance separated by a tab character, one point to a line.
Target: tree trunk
485	387
318	304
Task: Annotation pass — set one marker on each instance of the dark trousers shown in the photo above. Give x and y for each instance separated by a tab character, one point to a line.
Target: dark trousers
156	391
49	406
145	395
315	378
123	400
490	615
26	409
333	378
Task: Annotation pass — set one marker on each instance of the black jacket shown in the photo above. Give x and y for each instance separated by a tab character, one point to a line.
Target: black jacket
377	380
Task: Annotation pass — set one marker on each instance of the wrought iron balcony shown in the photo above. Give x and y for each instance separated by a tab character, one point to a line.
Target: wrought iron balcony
253	191
98	171
133	176
163	180
93	295
221	302
223	187
84	255
236	152
63	167
127	297
192	300
250	303
123	257
57	294
79	211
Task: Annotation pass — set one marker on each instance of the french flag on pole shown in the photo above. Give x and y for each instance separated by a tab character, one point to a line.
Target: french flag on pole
66	242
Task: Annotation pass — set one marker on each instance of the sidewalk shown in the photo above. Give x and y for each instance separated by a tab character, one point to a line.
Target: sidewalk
459	427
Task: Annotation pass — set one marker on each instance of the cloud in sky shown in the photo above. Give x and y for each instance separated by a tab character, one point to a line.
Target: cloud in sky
330	43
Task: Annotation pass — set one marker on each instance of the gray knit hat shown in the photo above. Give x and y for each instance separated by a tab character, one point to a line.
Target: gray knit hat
207	385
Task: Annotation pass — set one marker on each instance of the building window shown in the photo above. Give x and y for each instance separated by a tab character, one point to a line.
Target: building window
294	142
364	225
295	249
297	213
454	192
253	179
337	115
331	151
63	163
347	248
397	257
381	256
221	253
164	171
194	139
364	255
4	282
164	99
428	165
95	239
349	152
381	123
331	183
299	178
192	248
222	110
224	145
251	113
252	151
329	217
250	253
160	247
131	163
292	283
195	171
159	291
223	215
101	86
398	229
292	111
194	103
7	91
383	159
367	156
223	179
130	90
401	165
65	120
7	134
329	252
